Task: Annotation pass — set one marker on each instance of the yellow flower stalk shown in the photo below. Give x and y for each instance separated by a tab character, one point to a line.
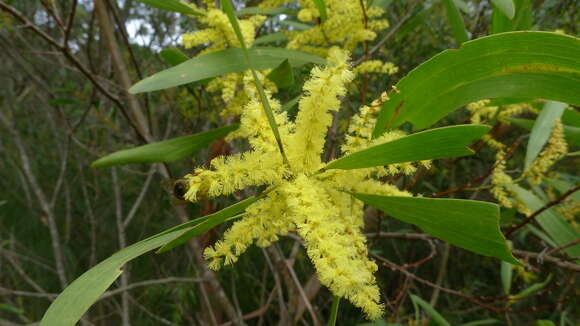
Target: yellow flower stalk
317	205
345	25
314	118
376	66
219	35
556	149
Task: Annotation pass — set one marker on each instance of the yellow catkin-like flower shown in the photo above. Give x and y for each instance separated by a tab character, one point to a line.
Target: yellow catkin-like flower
234	172
337	249
345	25
317	205
314	118
514	109
360	137
306	15
499	180
255	127
263	223
219	35
501	189
219	32
480	112
376	66
556	149
570	210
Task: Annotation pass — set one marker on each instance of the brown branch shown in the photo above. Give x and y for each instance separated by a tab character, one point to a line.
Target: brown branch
70	21
532	217
556	261
258	312
66	52
391	32
121	69
149	283
394	266
562	247
5	291
41	198
521	253
481	177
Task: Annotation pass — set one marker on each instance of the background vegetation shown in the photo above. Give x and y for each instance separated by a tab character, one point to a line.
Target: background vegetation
66	66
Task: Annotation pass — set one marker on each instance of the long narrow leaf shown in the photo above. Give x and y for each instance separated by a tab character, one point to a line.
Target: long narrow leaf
506	274
426	145
282	76
469	224
172	5
542	129
221	63
271	38
522	21
516	64
164	151
507	7
556	227
206	223
77	298
572	134
173	56
455	21
437	318
321	6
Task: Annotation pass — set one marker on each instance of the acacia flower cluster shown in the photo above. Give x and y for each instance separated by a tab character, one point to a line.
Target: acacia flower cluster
219	35
302	197
555	150
347	23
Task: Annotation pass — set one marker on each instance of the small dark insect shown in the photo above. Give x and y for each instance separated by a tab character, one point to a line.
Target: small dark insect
177	188
180	188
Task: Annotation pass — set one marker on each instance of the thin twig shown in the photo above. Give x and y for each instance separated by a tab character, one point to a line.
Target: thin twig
70	21
67	53
558	262
41	198
532	217
150	283
562	247
391	32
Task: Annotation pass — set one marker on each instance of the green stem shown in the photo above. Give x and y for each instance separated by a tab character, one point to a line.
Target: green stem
229	9
334	311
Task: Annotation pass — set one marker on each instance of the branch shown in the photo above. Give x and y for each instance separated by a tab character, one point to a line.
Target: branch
42	200
149	283
557	261
541	210
66	52
526	254
391	32
70	20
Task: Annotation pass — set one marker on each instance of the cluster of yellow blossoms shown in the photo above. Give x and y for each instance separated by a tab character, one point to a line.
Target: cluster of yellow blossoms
348	24
555	150
301	196
219	35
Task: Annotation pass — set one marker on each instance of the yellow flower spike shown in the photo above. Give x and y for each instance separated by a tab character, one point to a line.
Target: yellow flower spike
314	118
306	15
338	264
344	25
556	149
317	205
